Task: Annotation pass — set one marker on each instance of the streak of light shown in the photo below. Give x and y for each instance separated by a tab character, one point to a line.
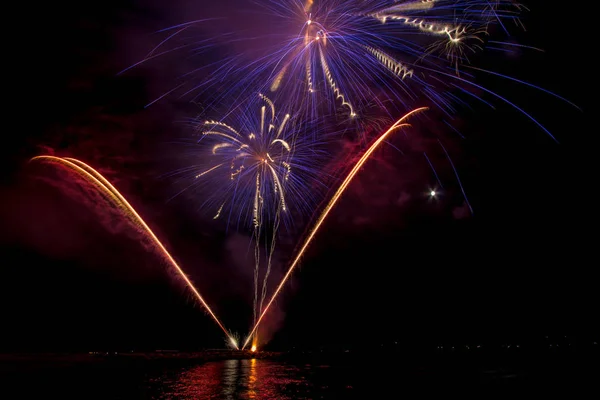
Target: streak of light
398	124
96	179
462	189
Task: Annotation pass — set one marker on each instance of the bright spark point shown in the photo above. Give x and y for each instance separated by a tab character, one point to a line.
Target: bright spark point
433	193
253	349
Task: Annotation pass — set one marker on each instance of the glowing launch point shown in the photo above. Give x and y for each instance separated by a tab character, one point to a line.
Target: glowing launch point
253	349
433	193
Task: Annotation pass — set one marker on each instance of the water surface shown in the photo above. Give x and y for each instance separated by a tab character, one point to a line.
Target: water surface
312	378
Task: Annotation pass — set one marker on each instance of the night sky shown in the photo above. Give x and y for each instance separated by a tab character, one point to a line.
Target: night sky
391	264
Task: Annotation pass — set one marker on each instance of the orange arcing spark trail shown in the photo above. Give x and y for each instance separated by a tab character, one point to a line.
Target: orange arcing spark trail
95	178
327	209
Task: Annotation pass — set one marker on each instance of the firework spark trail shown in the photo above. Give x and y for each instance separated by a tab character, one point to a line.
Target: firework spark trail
269	264
96	179
387	61
334	87
454	32
434	171
398	124
462	189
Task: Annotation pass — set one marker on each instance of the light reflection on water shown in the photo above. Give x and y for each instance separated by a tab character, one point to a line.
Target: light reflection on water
348	378
233	379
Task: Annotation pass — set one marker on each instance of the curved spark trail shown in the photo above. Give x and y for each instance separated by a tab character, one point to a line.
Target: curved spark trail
96	179
398	124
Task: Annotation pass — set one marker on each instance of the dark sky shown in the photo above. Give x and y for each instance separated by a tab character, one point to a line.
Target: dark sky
390	264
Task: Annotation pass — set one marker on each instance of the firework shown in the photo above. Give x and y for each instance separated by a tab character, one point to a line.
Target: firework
232	341
317	56
356	59
339	48
105	187
254	169
254	163
360	52
334	199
